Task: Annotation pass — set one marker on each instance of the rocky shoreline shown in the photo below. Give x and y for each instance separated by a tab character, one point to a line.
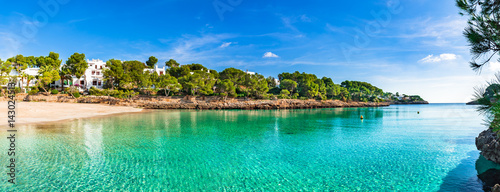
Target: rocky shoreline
489	144
190	102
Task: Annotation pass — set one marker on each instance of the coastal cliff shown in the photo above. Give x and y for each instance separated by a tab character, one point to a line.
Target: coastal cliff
190	102
488	143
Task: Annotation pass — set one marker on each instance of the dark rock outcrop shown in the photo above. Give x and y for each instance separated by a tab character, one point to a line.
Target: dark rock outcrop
489	144
490	180
472	103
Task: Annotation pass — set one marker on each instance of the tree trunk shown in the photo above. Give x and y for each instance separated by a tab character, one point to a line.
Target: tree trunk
22	81
28	82
85	83
62	84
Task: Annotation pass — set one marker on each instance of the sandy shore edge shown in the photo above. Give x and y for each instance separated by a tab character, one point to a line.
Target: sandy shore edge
43	112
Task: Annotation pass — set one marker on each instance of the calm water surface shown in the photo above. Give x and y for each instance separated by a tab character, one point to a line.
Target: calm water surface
392	149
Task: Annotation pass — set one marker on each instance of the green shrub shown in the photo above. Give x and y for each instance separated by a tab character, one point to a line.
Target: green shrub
321	97
54	91
267	96
303	98
148	91
33	91
17	90
73	91
284	92
96	92
295	96
274	90
282	96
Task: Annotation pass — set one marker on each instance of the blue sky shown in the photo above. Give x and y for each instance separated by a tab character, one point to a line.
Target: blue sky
414	47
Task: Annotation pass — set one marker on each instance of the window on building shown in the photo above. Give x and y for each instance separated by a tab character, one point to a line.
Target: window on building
93	72
82	82
94	82
101	67
161	72
98	73
99	83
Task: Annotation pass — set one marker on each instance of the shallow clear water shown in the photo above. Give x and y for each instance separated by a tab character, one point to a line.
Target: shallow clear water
392	149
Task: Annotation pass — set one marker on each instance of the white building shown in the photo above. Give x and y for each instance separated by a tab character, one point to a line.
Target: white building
249	72
159	71
208	71
93	77
24	82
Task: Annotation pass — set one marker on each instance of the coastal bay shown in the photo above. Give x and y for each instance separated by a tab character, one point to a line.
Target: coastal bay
393	149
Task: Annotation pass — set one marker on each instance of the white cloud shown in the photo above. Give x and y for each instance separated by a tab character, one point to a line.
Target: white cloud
288	22
494	66
225	44
270	55
304	18
442	57
444	32
190	48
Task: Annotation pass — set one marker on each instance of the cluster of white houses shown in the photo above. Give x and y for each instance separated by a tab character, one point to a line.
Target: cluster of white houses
93	76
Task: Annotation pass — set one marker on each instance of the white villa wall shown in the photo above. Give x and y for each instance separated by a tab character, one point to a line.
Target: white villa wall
93	76
159	71
24	84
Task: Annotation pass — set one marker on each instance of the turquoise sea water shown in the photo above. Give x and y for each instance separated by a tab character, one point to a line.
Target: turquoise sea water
392	149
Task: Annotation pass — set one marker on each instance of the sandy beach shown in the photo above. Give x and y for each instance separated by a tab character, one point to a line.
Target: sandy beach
41	112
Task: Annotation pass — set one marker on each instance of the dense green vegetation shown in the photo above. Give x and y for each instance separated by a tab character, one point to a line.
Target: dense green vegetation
125	79
483	34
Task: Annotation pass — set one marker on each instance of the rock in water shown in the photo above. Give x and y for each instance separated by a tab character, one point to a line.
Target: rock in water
490	179
496	188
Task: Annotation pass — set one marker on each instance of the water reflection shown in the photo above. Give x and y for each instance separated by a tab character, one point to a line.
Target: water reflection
93	145
474	173
488	172
392	149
